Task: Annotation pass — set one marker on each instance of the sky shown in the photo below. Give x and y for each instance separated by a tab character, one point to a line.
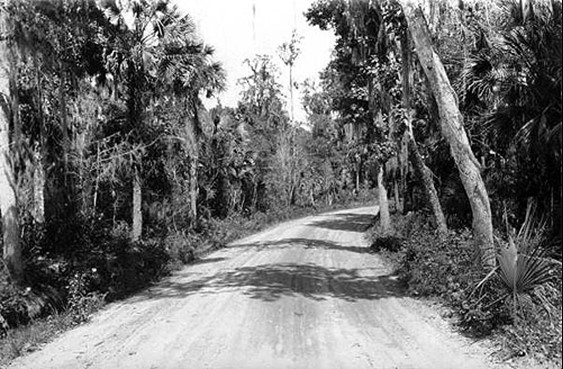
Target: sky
228	26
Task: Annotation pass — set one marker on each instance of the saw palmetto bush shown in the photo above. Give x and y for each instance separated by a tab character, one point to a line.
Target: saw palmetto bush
523	270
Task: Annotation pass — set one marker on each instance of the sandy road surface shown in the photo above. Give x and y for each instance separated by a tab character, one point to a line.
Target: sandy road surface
304	294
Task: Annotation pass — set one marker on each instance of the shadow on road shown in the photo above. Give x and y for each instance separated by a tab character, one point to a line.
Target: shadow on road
272	281
305	243
346	222
207	260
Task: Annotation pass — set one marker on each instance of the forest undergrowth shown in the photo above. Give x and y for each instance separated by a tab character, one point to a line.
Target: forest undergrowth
525	322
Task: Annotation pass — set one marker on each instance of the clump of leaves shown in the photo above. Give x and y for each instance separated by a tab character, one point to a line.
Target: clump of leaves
387	243
82	302
403	226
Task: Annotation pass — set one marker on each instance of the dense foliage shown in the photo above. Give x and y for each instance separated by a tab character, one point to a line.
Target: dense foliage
120	173
446	268
504	62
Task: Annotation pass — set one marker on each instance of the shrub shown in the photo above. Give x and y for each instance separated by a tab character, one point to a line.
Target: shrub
387	243
521	299
82	302
522	266
13	309
181	246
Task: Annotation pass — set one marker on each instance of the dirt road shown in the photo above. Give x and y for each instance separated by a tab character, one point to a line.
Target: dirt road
304	294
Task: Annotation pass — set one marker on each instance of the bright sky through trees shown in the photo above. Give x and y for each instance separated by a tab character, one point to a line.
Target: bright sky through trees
241	29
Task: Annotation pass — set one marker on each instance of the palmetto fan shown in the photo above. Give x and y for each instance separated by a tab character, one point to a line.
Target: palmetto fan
522	266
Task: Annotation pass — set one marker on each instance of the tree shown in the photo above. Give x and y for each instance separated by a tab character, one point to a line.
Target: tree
261	112
288	52
363	78
422	170
325	150
56	43
451	122
8	203
289	163
149	27
513	93
186	71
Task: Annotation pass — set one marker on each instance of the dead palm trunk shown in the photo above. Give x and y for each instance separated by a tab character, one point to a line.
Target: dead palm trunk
451	123
8	204
421	169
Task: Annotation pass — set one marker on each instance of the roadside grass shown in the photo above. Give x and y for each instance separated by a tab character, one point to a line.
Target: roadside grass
24	339
87	290
447	269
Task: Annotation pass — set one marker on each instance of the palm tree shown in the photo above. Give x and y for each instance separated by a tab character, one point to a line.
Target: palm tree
145	30
517	77
186	70
54	42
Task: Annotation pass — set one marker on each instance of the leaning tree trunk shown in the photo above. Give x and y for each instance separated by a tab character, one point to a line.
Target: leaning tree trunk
451	123
384	218
137	213
425	175
422	171
8	205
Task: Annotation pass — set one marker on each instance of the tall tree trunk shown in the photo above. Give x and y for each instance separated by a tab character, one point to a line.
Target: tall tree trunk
421	169
451	123
137	214
358	172
425	175
193	151
375	105
8	205
15	103
194	186
193	130
384	217
398	203
40	155
254	202
39	187
64	122
291	90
